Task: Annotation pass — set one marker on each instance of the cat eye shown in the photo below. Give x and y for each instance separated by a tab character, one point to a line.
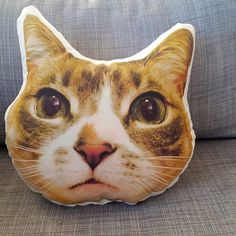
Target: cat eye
51	104
149	108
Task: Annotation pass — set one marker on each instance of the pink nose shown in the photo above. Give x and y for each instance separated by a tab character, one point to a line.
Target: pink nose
94	154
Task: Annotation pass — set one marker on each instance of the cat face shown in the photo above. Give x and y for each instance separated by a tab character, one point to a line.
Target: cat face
82	132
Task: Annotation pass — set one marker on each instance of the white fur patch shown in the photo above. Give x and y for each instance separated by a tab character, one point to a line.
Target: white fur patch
74	103
108	126
125	104
72	168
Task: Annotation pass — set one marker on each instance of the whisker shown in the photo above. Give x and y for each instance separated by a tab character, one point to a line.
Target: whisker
157	179
27	168
37	182
167	167
153	186
143	185
50	188
149	186
171	176
46	185
163	179
165	158
28	175
25	148
145	176
29	160
33	140
139	188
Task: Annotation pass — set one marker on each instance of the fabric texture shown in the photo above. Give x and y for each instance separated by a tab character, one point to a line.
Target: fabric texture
116	29
201	203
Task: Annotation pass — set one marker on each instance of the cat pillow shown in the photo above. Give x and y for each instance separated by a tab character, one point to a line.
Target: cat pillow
90	131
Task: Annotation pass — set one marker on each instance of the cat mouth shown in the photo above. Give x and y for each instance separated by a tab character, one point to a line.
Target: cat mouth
91	182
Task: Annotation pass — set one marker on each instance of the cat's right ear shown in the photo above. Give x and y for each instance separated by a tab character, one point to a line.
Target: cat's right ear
40	42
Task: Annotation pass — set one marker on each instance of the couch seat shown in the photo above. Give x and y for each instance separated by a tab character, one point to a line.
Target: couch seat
203	202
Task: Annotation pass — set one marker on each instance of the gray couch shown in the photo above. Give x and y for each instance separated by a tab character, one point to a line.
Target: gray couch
203	202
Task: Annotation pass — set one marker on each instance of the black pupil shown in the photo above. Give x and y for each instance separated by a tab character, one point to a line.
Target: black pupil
149	109
51	105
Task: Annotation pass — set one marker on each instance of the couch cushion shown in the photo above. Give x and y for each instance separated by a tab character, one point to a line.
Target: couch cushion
201	203
115	29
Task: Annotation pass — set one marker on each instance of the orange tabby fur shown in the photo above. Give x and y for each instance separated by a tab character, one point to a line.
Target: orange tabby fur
166	147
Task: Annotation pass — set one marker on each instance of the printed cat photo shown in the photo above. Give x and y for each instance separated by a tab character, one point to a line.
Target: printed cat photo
87	131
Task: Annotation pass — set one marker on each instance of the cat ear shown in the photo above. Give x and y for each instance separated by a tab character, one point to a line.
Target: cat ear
40	41
170	60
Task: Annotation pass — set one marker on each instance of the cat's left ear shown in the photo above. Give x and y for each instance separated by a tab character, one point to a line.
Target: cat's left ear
40	42
171	59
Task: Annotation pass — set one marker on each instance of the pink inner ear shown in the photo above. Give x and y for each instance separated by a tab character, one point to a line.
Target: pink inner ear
180	84
31	66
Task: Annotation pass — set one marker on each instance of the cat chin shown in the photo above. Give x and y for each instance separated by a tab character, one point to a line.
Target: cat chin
97	200
104	201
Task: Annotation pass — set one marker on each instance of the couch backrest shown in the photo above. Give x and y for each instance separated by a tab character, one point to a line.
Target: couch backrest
116	29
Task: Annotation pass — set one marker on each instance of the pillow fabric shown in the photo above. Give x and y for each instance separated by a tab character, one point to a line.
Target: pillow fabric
91	131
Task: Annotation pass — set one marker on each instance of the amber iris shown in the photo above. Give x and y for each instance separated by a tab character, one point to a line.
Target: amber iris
148	108
51	104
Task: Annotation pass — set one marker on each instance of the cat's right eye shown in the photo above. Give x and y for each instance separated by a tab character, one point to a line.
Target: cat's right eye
51	104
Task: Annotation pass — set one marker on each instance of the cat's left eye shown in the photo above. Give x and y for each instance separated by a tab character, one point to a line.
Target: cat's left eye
148	108
51	104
